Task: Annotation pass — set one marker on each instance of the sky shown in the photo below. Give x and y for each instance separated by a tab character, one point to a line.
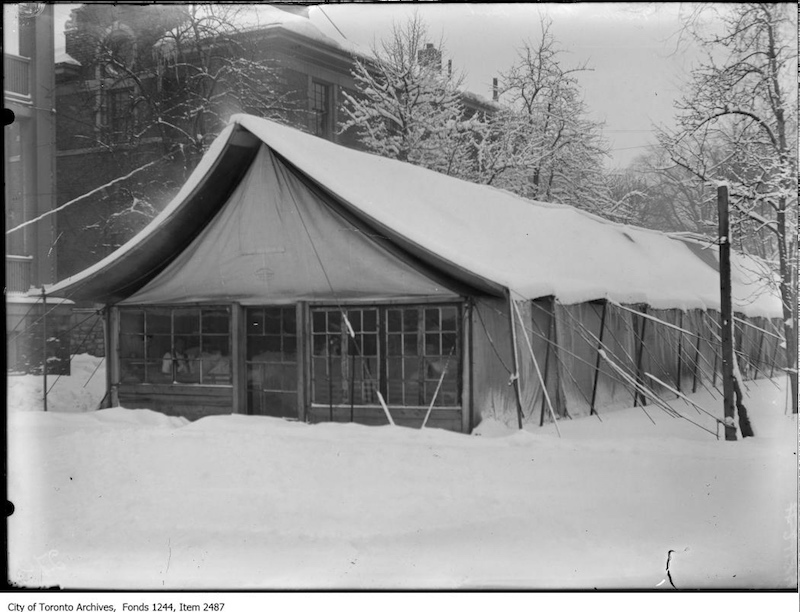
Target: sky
630	47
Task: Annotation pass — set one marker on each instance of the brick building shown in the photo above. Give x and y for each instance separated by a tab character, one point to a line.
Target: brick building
117	82
124	62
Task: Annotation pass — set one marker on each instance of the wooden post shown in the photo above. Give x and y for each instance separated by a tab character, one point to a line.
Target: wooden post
352	380
515	358
330	378
239	375
696	361
550	325
538	371
774	356
758	355
597	360
726	312
680	352
639	353
44	349
546	369
467	402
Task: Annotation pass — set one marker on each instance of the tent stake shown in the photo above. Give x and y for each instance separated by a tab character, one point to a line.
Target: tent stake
538	371
597	360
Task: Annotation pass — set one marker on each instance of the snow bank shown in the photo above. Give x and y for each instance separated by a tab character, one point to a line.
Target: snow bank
131	499
82	391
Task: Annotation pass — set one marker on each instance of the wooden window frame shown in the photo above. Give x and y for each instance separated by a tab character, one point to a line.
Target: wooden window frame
381	377
145	361
324	110
286	313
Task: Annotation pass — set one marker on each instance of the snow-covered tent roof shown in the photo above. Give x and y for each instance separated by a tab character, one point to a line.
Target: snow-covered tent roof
482	237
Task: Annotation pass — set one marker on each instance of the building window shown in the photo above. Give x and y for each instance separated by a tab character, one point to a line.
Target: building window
175	345
321	109
117	51
118	114
271	361
405	352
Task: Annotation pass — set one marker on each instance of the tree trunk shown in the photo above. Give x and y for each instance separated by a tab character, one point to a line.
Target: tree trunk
787	300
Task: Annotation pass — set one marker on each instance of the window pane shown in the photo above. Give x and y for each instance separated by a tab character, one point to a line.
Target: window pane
290	321
411	390
394	344
410	345
158	321
159	372
371	320
131	346
216	368
432	344
216	321
131	370
335	345
188	372
334	321
215	344
290	348
131	322
432	319
289	378
394	369
354	316
318	321
394	320
449	319
448	343
158	346
411	371
187	321
370	344
272	321
410	319
263	348
255	322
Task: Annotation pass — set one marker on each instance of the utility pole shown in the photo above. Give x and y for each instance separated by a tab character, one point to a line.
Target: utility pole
726	311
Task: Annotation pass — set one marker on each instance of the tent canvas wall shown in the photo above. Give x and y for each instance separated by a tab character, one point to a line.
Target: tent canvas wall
294	277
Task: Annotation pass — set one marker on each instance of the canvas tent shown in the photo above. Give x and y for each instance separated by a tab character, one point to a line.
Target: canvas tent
294	277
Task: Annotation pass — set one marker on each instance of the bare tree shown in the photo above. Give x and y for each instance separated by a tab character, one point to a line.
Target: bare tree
156	82
407	106
737	123
544	146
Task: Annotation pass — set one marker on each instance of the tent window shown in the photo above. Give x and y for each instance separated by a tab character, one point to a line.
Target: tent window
404	351
271	361
175	345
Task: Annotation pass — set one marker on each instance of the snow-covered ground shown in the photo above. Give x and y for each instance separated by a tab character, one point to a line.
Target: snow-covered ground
128	499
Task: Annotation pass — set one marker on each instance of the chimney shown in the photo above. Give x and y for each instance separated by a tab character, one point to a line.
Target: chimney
430	56
495	90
